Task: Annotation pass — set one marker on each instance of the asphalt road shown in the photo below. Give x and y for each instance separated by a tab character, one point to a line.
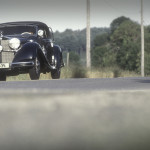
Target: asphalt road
102	84
75	114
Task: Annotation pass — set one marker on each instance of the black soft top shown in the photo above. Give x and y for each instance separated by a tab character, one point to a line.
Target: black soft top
26	23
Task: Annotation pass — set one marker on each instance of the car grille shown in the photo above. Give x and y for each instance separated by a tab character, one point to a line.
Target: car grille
6	57
5	45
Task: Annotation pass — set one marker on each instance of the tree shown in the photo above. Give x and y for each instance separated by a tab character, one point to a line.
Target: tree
74	58
147	39
147	50
127	57
101	40
70	40
102	56
126	41
117	22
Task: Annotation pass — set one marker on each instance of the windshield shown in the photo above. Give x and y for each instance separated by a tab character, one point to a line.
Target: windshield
18	30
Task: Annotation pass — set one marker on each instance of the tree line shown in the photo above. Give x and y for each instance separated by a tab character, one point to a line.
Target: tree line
122	46
119	45
70	40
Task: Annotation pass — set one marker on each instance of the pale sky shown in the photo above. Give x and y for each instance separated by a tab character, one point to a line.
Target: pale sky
63	14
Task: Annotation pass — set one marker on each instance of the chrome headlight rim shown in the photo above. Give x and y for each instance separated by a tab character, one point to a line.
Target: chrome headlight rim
14	43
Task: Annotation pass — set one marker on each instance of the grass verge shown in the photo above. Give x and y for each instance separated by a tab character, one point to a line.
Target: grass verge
81	72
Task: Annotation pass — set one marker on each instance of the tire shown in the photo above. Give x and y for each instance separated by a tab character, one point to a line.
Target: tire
2	76
35	71
55	74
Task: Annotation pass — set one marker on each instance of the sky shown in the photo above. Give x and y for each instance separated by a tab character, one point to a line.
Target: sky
71	14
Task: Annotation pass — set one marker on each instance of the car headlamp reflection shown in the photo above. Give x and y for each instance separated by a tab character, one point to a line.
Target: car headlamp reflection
14	43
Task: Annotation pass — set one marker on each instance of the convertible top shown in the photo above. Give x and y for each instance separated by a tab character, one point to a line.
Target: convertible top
37	23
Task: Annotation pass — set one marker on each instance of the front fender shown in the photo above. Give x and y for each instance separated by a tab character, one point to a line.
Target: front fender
57	56
27	53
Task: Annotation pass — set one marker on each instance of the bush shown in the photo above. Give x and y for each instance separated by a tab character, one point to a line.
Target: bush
79	72
147	64
74	58
103	57
116	72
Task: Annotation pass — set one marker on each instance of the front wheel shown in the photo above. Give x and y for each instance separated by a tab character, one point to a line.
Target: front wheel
55	74
35	71
2	76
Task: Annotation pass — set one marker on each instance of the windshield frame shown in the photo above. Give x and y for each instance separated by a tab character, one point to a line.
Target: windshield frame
34	26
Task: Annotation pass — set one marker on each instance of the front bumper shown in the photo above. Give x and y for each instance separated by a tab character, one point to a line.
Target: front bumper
22	64
16	65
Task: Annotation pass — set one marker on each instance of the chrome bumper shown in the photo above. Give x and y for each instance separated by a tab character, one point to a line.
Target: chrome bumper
21	64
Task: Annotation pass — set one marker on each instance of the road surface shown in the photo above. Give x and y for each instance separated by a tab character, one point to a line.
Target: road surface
64	85
75	114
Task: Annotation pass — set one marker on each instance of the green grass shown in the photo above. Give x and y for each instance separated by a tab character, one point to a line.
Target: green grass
81	72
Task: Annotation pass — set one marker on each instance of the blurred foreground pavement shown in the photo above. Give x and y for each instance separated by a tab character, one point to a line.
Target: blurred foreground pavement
118	120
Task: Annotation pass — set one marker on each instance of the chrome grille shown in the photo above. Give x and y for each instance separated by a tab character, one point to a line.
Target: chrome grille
5	45
6	57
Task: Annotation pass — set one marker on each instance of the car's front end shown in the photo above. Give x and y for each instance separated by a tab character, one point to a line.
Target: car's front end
27	47
12	41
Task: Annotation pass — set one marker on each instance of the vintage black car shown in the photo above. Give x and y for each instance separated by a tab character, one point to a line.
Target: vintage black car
28	47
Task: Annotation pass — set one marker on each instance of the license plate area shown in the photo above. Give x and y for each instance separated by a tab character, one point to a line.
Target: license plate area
4	65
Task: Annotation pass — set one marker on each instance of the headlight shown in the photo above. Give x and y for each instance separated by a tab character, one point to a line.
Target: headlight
14	43
1	48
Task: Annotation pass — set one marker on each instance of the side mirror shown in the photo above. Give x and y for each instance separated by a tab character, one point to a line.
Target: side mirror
41	33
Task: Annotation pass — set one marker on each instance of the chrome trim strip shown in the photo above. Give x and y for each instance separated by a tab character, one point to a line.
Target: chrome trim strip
22	64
